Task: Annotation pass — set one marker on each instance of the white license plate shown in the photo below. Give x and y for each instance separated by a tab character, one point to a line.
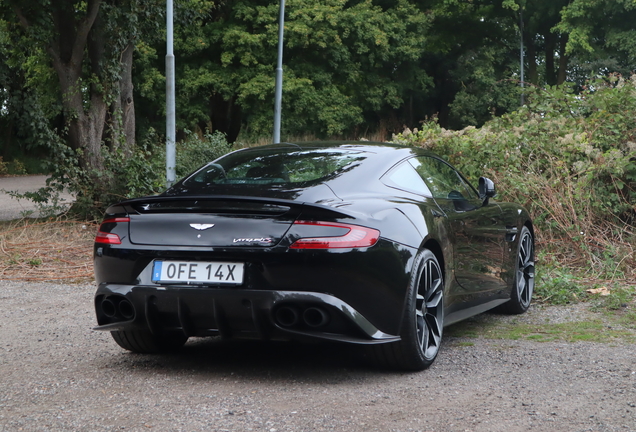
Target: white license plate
197	272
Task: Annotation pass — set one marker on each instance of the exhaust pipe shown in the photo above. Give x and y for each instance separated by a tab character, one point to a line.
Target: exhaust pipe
286	316
109	308
126	309
315	317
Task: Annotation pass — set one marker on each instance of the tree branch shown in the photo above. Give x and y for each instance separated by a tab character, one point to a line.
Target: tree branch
82	31
23	21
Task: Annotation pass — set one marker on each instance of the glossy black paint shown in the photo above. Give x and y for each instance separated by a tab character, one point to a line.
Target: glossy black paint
361	290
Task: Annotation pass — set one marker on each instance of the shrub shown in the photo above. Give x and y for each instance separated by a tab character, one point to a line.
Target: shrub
570	159
195	151
124	174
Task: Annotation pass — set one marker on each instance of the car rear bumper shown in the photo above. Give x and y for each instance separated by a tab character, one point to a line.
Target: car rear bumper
233	313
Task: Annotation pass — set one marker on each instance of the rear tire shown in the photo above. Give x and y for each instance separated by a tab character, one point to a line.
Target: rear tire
422	322
144	342
523	284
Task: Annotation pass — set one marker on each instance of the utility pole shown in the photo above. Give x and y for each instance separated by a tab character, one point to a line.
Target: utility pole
279	74
171	134
521	38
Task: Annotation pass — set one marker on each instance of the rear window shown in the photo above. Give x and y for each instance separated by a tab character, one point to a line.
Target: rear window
276	167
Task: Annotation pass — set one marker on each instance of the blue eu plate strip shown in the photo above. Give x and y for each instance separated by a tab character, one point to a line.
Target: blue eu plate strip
156	271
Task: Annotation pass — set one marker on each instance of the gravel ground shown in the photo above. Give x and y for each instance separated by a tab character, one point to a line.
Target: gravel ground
59	375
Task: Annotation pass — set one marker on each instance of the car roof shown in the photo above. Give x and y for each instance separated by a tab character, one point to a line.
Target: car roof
392	151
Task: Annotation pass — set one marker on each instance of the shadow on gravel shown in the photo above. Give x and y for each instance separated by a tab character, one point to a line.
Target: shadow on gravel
212	358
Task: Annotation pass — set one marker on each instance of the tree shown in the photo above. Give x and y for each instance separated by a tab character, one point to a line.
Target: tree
89	47
602	36
344	62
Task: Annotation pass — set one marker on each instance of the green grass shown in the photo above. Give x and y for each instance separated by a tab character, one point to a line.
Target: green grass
606	328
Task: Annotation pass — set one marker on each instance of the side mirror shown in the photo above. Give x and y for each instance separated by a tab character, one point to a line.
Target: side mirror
486	189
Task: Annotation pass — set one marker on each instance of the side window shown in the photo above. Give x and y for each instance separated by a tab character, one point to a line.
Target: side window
442	179
405	178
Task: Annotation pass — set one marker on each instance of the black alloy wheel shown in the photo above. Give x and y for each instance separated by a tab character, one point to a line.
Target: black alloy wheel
523	285
423	321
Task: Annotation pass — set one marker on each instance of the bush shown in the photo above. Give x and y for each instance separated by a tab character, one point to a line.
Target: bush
570	159
125	174
195	151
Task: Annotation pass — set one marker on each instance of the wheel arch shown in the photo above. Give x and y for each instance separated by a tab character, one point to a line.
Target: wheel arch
528	224
434	246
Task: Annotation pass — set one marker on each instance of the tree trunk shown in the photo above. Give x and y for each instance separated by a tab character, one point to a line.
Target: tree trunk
550	46
126	101
122	110
531	56
563	60
225	116
8	135
67	50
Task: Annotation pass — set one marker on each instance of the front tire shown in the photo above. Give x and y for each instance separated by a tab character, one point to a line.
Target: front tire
144	342
523	284
423	320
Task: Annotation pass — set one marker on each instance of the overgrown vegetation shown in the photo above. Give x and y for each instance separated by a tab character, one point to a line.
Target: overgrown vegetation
125	174
571	160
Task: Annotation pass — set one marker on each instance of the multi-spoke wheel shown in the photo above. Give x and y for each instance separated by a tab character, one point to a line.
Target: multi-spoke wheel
423	320
523	285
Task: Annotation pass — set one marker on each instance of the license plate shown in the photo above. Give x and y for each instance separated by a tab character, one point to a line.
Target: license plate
197	272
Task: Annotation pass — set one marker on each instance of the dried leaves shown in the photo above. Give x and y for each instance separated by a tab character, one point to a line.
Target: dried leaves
31	250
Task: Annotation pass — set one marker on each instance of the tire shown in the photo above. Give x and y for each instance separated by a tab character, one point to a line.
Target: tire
422	322
523	284
144	342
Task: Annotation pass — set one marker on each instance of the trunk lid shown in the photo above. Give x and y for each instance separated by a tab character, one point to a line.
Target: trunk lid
208	222
220	221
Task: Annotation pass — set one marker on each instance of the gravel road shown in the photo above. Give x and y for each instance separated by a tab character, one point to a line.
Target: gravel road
59	375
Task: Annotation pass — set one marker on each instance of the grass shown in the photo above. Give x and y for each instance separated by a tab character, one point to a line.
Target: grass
607	326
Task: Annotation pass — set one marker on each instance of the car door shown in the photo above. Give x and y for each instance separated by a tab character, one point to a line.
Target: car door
478	230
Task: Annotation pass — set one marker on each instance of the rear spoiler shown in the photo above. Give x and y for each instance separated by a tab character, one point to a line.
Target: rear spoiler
276	205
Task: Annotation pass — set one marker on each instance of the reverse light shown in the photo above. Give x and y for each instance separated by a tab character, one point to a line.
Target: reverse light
106	237
356	237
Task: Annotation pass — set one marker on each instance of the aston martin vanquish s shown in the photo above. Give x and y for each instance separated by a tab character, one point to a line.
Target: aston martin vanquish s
362	243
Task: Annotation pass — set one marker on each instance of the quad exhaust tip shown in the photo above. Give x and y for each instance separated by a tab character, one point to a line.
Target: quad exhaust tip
287	316
315	317
114	307
290	316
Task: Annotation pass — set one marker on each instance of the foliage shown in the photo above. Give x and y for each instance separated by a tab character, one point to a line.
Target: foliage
342	61
196	151
556	285
571	159
128	175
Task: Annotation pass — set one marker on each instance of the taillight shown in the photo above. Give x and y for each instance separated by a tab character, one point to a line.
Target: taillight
104	235
355	237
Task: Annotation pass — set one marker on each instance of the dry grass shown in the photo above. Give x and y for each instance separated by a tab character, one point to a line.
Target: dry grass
36	250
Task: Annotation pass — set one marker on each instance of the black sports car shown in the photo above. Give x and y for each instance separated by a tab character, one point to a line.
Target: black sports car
364	243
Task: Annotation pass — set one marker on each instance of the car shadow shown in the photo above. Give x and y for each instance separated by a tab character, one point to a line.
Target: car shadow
214	358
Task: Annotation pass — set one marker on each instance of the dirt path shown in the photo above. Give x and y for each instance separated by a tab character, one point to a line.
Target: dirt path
59	375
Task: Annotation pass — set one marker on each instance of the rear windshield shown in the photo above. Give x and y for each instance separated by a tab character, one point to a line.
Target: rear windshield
276	167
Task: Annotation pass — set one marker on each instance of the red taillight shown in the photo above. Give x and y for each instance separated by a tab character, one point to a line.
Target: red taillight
356	237
116	220
108	237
